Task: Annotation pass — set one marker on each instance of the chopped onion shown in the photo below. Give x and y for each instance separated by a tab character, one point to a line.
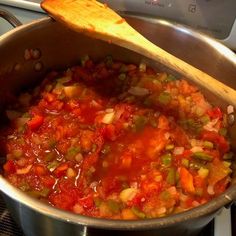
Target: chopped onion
77	208
93	103
21	121
138	91
93	185
128	194
11	137
70	173
142	67
167	135
203	172
178	150
172	190
27	54
196	149
210	189
134	185
24	170
108	118
161	210
230	109
72	91
158	178
118	114
143	199
109	110
183	197
195	203
79	157
210	125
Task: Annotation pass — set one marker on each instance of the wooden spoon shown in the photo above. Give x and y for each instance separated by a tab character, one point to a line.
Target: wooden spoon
99	21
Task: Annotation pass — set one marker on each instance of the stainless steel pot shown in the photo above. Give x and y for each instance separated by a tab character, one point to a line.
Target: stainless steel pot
61	48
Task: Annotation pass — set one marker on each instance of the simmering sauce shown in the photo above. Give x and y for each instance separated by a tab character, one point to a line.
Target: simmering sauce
114	140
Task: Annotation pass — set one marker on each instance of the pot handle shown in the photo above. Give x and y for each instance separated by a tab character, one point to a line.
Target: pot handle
10	18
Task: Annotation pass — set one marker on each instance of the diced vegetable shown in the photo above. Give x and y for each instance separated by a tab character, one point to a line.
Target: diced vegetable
208	144
128	194
35	122
186	180
202	156
108	118
139	122
24	170
137	91
178	150
122	76
142	67
217	171
203	172
72	91
185	162
138	212
17	153
72	151
170	147
166	159
113	205
171	176
164	98
228	156
127	214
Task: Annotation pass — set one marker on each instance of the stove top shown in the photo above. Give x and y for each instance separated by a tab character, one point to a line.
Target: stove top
7	226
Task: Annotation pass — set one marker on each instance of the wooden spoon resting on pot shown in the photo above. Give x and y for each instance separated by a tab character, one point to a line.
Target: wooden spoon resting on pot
99	21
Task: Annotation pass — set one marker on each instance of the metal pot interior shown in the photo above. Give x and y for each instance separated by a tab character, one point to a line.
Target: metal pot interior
61	48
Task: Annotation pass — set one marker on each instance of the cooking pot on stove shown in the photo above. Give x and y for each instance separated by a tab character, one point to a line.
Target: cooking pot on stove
59	48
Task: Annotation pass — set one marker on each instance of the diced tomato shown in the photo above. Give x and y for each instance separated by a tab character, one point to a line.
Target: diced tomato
221	186
217	139
199	182
40	170
189	202
110	132
186	88
126	160
150	187
137	200
186	180
35	122
218	171
89	64
49	97
62	200
111	184
61	170
86	202
48	181
81	73
10	167
180	137
90	161
215	113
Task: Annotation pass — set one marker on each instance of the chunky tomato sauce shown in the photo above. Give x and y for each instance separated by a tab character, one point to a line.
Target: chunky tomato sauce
119	141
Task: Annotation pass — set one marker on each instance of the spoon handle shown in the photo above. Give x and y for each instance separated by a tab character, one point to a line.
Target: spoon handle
99	21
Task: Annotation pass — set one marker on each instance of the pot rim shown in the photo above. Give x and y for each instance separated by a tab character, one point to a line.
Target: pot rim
215	204
40	207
